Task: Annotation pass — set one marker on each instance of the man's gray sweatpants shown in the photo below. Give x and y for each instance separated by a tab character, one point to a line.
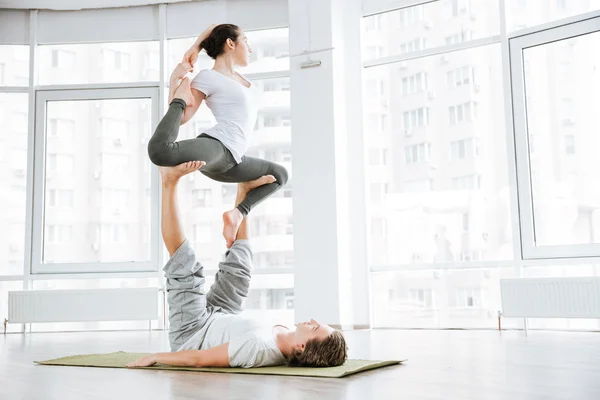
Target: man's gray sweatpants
190	306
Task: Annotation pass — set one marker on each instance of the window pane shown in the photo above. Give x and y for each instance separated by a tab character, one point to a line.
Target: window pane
521	14
270	51
14	65
97	203
99	63
13	181
474	185
203	200
562	114
454	298
438	23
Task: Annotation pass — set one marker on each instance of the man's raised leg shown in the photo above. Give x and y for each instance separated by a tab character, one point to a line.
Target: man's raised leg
184	274
232	281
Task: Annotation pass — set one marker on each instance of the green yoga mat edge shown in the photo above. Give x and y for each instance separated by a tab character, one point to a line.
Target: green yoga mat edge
351	367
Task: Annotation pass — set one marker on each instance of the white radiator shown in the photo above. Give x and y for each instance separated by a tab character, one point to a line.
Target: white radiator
83	305
551	297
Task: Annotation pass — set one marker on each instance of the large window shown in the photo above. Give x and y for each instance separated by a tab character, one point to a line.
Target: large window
13	181
99	63
14	65
96	176
451	186
429	25
559	174
566	206
522	14
443	197
429	153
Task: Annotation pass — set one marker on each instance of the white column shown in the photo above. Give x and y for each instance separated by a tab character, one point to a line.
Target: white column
328	163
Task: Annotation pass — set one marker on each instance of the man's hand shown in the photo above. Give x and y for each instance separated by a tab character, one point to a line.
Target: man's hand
146	361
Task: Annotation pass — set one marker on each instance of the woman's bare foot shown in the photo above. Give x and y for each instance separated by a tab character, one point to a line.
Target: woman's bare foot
245	187
184	92
233	218
173	174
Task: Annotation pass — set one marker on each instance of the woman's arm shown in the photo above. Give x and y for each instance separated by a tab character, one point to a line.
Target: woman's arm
177	75
189	111
213	357
192	54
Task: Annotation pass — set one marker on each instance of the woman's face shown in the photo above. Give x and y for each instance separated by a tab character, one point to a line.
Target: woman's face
242	50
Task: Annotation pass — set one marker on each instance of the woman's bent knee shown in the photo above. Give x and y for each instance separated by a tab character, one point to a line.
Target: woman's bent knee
281	175
159	154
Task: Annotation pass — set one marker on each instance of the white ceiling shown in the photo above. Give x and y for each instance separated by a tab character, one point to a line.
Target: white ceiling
80	4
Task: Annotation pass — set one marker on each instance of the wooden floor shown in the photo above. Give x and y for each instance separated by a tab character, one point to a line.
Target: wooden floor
445	365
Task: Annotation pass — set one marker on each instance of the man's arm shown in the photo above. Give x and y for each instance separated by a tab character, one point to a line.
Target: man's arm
213	357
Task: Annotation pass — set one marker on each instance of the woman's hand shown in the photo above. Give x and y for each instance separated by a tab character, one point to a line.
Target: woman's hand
181	70
146	361
191	56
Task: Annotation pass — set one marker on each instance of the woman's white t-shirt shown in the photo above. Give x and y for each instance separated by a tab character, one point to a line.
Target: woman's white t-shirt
234	106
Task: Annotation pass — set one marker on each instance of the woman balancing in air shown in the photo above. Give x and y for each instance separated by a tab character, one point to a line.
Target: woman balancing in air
233	101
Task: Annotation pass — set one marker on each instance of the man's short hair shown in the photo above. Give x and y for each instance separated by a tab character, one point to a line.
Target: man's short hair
329	352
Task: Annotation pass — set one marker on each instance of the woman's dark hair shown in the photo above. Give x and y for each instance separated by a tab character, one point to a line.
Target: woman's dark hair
215	42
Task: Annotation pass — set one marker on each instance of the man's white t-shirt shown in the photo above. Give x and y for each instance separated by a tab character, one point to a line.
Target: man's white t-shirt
250	343
234	106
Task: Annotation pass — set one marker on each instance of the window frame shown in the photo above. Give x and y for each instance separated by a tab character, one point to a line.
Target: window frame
38	266
517	45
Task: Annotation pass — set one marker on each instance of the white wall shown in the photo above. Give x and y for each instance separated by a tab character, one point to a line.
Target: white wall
330	229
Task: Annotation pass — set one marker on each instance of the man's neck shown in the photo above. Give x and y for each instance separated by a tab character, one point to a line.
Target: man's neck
284	338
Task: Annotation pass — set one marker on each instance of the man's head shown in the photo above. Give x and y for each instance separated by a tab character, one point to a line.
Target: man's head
229	40
317	345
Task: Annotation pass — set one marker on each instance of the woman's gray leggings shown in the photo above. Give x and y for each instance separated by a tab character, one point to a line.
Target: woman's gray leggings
220	165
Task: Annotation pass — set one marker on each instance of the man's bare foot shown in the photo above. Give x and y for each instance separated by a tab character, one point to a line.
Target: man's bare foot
184	92
173	174
233	218
231	223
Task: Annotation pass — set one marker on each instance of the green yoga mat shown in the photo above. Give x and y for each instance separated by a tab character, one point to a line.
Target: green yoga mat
120	359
